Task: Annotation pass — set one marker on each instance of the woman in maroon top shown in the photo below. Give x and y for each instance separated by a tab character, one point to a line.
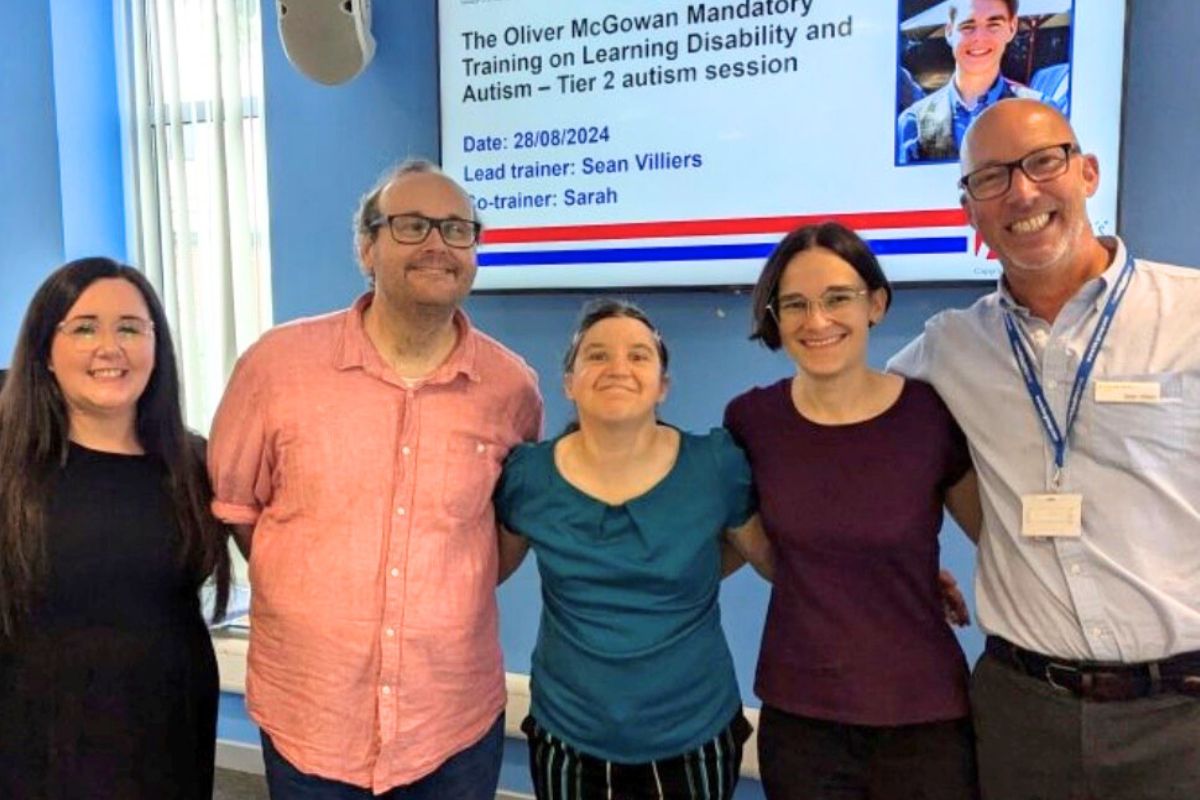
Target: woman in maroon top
863	683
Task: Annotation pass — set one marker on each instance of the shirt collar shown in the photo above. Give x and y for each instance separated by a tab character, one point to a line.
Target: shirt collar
1094	291
989	98
1006	299
1105	281
355	350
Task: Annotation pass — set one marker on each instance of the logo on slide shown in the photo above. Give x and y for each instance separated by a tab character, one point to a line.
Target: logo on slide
982	250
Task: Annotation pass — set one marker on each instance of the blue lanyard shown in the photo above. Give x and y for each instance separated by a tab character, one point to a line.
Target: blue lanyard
1025	362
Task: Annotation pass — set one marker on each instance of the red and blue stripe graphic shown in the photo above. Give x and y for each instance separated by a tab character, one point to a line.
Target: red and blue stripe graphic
924	243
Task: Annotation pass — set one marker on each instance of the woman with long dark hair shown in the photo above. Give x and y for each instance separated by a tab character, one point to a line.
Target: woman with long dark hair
108	682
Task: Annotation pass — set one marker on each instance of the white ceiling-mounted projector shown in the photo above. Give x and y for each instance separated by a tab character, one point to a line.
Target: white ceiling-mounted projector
328	40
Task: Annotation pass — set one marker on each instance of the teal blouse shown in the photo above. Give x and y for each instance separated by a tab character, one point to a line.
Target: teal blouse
631	664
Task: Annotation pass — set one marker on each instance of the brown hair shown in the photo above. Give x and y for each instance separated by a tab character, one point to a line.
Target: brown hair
1011	5
607	308
832	236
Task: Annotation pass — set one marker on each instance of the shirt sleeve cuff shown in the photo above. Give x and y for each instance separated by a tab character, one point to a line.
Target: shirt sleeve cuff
235	514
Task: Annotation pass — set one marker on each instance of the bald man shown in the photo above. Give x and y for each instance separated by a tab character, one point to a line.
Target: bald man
1077	383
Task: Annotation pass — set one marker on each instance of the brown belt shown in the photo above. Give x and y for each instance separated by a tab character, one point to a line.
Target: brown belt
1103	682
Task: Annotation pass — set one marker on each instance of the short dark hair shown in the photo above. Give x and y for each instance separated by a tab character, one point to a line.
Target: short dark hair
607	308
1011	5
832	236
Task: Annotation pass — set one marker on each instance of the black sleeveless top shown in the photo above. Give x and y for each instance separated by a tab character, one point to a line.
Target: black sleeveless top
110	689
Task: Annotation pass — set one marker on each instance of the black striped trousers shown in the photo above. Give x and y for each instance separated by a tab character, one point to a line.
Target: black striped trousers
710	772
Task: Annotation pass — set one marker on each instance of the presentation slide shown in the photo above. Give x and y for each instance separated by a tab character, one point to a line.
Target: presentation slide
633	143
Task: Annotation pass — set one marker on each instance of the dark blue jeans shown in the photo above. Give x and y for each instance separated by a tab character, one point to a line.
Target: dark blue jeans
471	774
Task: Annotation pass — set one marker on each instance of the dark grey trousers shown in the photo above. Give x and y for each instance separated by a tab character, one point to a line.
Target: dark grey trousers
1036	742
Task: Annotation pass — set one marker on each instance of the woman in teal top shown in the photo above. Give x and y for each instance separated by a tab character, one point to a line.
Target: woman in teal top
633	523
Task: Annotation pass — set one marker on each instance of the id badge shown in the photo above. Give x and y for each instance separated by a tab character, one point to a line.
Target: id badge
1128	392
1052	515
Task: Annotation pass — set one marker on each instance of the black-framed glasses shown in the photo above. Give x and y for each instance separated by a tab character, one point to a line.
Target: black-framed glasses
1043	164
86	333
415	228
831	302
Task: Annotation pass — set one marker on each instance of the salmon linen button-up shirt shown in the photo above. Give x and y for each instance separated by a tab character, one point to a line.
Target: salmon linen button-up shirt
374	651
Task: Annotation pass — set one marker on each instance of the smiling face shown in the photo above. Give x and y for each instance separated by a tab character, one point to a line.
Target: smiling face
1033	227
978	32
617	375
103	354
826	344
430	273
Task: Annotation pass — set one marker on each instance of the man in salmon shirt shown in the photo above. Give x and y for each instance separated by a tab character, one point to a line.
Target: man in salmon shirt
356	453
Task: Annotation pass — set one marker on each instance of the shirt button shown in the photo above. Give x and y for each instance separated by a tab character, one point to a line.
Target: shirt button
1097	632
405	450
395	572
387	690
391	631
1076	569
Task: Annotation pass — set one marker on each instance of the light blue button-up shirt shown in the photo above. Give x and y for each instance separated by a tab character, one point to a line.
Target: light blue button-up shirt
1128	589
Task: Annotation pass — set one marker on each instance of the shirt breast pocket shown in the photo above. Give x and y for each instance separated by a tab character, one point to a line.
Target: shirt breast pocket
1148	436
472	467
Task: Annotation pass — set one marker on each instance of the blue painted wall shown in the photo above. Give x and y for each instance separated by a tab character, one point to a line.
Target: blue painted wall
31	234
1160	171
326	145
89	129
60	156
